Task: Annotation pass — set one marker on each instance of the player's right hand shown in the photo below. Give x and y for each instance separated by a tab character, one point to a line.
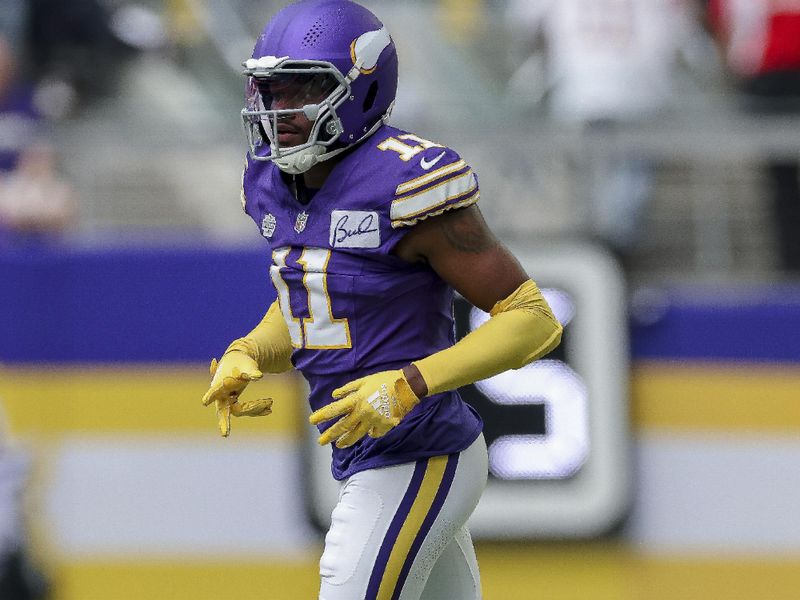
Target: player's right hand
229	378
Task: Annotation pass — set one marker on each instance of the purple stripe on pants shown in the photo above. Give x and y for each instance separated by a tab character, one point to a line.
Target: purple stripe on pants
394	529
436	507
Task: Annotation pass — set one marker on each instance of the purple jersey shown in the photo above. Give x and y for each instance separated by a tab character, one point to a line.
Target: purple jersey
351	306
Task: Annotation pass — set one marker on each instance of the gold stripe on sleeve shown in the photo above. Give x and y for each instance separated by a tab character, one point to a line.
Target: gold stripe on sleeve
428	177
414	219
449	189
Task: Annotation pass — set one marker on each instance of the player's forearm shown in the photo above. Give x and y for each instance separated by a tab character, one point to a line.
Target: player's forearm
521	329
269	344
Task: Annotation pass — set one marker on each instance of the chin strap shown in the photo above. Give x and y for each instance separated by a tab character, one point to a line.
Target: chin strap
301	161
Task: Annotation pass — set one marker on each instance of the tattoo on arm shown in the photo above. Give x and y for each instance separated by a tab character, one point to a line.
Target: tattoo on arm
466	231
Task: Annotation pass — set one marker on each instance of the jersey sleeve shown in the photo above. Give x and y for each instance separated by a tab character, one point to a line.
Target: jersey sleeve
438	180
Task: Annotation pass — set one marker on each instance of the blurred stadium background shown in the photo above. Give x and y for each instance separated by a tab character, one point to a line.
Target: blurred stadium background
113	481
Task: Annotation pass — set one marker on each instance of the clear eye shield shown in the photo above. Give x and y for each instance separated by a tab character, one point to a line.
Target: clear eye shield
275	93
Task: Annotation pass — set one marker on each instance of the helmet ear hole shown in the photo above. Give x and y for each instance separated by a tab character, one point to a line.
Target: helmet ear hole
369	99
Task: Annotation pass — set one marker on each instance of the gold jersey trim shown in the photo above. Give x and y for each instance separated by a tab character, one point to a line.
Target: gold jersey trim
418	182
472	199
445	191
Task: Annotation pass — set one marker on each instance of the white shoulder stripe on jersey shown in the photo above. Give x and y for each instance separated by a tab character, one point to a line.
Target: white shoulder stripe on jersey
428	177
402	208
471	199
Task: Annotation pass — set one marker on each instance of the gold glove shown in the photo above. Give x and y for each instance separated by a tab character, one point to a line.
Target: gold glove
229	379
370	406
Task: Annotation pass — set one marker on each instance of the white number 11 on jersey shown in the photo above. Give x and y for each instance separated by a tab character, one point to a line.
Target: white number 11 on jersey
320	330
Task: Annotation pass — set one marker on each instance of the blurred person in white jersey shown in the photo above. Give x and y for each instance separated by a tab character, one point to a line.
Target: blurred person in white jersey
595	64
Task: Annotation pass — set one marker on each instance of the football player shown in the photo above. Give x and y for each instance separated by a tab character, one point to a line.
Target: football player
371	229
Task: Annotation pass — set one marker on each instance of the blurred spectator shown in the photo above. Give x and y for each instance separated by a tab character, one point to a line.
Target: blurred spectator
596	64
14	19
600	59
73	43
33	198
18	579
760	43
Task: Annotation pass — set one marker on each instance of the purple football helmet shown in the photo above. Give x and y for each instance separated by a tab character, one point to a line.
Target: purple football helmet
331	60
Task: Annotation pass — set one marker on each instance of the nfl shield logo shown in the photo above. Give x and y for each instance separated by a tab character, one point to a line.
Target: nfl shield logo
268	225
300	223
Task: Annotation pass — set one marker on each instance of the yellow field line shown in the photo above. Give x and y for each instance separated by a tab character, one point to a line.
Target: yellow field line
589	571
49	401
720	397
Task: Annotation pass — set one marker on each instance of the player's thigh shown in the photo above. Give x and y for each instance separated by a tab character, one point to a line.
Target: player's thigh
455	575
391	525
360	522
446	559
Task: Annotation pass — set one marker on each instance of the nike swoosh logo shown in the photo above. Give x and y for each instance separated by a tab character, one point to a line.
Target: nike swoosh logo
428	164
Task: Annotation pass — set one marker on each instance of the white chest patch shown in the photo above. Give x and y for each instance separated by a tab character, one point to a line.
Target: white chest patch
355	229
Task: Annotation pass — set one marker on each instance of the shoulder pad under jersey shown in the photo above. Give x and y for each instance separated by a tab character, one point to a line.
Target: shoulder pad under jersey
427	178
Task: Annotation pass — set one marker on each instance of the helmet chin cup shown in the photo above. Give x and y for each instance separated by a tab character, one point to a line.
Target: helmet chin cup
295	163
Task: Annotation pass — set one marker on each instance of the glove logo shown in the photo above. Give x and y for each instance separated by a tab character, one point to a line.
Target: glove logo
380	401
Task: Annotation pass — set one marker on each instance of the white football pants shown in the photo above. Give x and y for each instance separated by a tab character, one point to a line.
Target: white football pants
398	533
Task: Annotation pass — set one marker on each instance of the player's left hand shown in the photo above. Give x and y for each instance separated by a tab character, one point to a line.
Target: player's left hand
371	405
